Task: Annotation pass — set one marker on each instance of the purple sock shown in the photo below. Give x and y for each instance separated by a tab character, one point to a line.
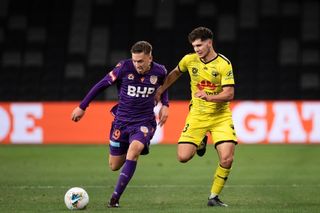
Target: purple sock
124	178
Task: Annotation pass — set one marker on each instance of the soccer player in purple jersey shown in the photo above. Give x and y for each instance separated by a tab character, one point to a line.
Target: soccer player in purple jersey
134	123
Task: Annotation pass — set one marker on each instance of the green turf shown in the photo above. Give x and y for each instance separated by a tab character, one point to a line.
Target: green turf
265	178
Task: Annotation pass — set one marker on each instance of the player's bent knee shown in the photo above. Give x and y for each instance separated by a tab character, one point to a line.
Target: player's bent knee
185	152
182	158
114	166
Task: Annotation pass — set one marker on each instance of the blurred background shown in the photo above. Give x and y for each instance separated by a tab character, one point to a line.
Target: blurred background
56	50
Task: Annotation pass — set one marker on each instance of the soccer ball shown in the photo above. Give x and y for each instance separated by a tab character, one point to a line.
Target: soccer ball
76	198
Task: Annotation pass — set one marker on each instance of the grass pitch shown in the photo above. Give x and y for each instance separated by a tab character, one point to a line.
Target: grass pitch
264	178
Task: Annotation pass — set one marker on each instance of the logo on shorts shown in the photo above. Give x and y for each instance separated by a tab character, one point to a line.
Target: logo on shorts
153	79
144	129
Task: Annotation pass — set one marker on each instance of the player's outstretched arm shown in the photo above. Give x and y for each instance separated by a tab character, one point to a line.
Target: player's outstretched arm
77	114
170	79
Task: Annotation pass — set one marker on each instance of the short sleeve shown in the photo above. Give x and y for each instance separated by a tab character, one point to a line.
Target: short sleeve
227	75
183	64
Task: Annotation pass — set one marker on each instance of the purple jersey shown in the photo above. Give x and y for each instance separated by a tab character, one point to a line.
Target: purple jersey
135	91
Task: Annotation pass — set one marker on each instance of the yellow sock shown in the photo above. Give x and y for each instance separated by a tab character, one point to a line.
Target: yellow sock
220	178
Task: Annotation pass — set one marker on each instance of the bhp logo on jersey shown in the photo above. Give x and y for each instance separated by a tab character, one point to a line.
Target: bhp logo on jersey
206	84
140	91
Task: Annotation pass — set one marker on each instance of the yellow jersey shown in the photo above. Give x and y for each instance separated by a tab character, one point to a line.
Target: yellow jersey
210	77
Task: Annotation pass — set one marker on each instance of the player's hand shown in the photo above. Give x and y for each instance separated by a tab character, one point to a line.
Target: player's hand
163	115
201	94
77	114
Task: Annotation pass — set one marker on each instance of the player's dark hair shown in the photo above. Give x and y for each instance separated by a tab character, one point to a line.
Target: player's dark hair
141	46
202	33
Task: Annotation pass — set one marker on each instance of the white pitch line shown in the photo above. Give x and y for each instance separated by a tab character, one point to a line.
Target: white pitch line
165	186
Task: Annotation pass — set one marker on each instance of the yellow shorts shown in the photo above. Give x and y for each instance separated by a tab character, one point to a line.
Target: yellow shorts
220	126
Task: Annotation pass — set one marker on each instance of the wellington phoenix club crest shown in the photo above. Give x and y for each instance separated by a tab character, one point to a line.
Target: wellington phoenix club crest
153	79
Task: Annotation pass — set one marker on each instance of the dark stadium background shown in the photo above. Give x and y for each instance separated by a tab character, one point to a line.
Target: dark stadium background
55	50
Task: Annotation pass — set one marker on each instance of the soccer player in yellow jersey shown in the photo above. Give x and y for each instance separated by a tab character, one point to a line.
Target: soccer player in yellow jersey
212	87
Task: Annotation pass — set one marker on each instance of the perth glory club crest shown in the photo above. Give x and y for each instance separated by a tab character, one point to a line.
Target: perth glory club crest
153	79
145	130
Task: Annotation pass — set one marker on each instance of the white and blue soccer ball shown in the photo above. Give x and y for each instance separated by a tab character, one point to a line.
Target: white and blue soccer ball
76	198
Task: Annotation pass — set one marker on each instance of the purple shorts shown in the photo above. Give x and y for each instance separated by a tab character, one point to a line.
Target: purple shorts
122	134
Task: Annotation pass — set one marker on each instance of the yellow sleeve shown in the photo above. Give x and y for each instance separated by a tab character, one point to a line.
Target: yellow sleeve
183	64
227	75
